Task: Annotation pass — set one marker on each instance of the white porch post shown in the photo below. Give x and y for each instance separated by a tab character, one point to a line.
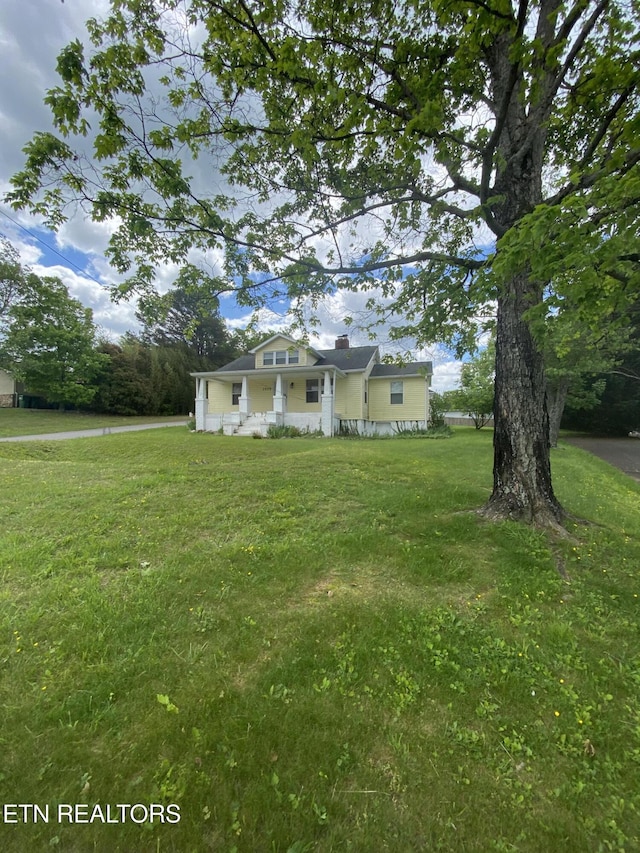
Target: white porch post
327	405
202	404
279	401
244	402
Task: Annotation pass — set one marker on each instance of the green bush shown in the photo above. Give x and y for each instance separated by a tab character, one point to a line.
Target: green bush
415	431
437	408
284	432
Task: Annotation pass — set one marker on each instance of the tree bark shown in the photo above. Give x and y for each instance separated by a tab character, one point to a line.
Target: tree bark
522	487
556	398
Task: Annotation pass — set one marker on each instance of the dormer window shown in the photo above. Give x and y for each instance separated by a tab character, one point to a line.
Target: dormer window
281	357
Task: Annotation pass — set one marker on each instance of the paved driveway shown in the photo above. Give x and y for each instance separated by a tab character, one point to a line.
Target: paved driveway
89	433
623	453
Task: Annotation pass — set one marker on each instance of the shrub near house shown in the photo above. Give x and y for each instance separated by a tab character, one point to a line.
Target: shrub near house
282	382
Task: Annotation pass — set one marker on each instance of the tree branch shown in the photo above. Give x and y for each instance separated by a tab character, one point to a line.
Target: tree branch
496	14
501	111
540	112
607	120
589	179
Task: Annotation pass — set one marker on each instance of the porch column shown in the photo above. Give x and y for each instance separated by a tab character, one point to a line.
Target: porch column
327	405
244	402
202	404
279	401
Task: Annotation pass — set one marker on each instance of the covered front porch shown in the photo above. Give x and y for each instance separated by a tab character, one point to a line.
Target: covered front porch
245	403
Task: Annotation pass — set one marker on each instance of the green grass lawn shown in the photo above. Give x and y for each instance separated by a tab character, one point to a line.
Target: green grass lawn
37	421
314	645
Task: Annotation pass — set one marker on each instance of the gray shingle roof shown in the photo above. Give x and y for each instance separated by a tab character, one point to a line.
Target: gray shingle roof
354	358
415	368
245	362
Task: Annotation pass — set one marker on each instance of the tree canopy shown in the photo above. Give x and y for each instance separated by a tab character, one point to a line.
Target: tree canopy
617	409
13	281
50	344
576	354
452	156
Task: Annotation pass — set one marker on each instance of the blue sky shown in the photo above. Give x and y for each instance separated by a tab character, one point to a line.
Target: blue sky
32	33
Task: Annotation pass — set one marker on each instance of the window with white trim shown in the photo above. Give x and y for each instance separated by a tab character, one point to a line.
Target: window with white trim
280	357
397	392
236	393
313	390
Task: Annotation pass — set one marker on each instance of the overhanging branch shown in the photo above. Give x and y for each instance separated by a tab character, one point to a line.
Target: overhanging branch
589	179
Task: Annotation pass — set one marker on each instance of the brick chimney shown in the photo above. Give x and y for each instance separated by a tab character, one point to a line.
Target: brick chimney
342	342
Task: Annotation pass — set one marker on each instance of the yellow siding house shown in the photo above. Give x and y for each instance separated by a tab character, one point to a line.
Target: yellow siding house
285	383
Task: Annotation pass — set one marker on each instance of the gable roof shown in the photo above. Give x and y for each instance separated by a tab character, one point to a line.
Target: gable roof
345	360
271	339
354	358
280	336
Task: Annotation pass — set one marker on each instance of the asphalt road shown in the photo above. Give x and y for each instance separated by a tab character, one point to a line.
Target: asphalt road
623	453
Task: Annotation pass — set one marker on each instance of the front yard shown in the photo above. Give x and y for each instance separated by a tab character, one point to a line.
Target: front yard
313	645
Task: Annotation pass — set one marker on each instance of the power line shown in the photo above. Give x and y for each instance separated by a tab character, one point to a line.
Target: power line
51	249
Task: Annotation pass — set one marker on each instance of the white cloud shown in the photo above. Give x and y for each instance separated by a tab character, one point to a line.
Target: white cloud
113	319
446	374
331	313
263	319
34	33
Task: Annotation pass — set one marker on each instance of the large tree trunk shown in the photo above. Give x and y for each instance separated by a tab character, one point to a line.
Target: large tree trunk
522	487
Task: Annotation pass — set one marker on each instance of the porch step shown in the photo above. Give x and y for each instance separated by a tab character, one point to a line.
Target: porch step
252	424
